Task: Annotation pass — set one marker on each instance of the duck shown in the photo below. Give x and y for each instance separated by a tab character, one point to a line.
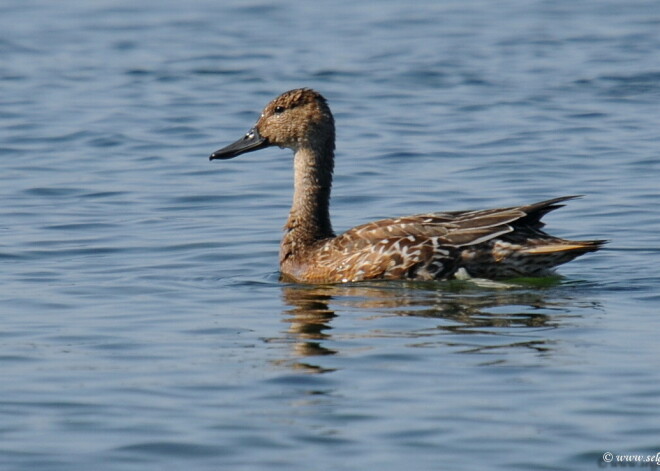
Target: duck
494	244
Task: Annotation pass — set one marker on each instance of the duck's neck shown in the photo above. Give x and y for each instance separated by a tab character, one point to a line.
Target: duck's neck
309	219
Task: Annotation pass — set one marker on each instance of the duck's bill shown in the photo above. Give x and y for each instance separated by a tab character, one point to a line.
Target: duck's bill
250	142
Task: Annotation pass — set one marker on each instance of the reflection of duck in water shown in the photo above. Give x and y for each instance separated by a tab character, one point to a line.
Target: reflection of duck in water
492	243
498	318
313	307
309	317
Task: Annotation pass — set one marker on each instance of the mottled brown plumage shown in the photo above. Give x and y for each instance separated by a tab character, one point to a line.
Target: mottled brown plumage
491	243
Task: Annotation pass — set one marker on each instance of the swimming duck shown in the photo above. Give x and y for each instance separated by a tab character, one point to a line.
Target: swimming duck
490	243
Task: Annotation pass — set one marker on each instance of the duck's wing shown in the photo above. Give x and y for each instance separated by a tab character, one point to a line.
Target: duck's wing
423	246
434	245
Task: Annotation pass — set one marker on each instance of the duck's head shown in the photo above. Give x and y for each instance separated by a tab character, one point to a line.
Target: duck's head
295	119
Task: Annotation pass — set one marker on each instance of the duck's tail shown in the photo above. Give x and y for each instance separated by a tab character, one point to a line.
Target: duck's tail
561	246
526	250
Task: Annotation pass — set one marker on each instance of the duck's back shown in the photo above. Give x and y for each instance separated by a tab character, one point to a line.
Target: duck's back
494	243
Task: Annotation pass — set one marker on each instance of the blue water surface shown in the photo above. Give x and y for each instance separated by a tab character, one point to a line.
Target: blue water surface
143	323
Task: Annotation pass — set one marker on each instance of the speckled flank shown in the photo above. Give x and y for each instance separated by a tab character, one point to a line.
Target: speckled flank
492	243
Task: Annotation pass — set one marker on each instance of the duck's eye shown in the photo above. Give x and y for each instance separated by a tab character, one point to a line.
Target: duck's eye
279	109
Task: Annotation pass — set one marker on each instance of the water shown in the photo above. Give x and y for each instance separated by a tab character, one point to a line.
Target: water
143	324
